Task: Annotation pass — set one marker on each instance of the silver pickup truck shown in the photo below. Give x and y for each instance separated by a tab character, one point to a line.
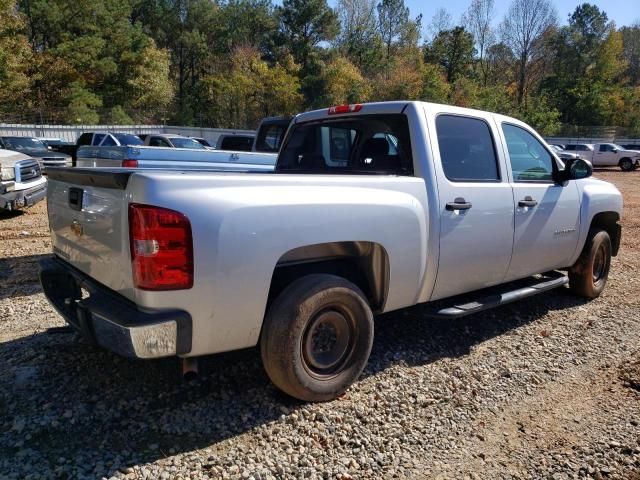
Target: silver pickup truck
371	208
21	181
119	150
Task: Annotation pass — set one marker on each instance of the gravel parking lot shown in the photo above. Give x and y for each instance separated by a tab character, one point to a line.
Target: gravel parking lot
544	388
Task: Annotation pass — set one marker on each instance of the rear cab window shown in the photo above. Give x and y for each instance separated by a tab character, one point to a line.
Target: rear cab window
362	144
467	149
270	138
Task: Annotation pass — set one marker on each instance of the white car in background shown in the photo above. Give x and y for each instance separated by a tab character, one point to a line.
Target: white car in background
607	155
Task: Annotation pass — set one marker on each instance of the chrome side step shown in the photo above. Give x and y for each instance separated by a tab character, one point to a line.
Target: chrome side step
475	302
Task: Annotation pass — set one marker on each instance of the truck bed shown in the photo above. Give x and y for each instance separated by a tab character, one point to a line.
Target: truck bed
161	157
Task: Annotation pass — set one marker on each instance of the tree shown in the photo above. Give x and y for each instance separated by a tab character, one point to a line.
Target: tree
588	27
306	23
522	30
149	85
631	51
393	18
478	19
453	50
440	22
94	50
500	64
435	87
406	83
248	89
15	58
359	38
344	83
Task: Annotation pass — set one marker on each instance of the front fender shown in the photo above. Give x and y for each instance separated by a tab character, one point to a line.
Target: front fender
597	196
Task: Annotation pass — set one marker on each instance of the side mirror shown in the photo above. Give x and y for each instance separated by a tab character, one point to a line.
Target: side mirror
575	169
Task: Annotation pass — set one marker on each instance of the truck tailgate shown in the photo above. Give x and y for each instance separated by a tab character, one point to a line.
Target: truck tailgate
88	218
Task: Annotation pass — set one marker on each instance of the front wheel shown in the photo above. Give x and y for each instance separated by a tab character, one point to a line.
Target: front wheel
588	276
317	337
627	165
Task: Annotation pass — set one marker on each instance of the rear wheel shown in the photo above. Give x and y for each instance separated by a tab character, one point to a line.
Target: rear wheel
626	165
588	276
317	337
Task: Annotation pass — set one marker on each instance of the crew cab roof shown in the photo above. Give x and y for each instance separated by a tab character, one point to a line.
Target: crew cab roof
398	106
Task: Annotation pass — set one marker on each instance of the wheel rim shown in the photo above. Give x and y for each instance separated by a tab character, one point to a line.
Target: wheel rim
599	264
626	165
327	342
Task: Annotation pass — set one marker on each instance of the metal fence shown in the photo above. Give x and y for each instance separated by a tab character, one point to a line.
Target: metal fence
70	133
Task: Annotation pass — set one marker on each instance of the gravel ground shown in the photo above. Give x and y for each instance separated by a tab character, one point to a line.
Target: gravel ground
545	388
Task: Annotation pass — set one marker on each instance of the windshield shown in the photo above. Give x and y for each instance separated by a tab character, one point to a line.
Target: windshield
128	139
21	144
617	147
358	144
186	143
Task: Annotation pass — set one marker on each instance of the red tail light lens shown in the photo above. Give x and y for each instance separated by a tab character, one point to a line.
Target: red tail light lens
129	164
338	109
161	248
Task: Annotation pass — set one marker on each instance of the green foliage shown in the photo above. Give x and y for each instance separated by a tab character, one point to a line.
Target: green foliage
453	50
15	57
344	83
540	115
435	87
228	63
306	23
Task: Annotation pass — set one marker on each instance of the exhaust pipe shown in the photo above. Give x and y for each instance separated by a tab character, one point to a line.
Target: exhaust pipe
189	369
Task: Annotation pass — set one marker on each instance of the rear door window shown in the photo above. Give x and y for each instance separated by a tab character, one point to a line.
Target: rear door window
360	144
467	150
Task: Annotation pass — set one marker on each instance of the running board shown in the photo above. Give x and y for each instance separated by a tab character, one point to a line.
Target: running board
475	302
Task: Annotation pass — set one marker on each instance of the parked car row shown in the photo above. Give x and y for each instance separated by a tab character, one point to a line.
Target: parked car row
627	156
24	160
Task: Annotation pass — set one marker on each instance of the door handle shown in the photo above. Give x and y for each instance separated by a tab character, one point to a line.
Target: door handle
527	202
458	204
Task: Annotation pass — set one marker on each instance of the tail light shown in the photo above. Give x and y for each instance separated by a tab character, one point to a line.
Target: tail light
161	248
338	109
129	164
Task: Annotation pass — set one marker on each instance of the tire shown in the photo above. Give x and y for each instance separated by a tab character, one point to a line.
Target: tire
313	312
588	276
626	165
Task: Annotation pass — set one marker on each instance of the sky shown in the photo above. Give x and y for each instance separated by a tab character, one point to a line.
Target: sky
623	12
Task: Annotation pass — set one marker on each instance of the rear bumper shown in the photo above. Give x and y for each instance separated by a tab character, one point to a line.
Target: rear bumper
110	320
23	198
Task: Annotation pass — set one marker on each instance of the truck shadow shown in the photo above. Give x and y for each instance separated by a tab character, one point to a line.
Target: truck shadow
63	399
19	276
6	215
